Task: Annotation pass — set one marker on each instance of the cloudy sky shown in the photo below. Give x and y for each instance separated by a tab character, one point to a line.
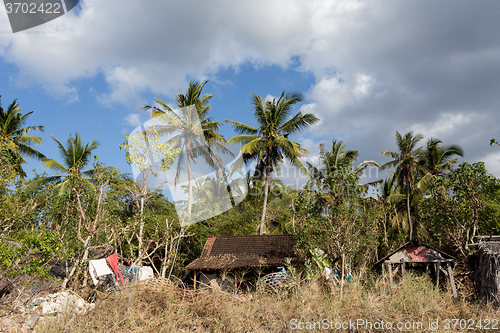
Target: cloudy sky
366	68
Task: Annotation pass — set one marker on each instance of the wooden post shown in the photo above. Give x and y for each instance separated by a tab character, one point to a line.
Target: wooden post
403	264
452	281
390	271
342	280
437	267
194	285
235	283
383	271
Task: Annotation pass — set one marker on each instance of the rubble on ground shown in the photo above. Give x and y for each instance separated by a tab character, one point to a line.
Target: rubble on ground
25	319
63	301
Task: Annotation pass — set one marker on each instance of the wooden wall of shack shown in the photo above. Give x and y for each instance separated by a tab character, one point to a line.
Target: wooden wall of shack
486	274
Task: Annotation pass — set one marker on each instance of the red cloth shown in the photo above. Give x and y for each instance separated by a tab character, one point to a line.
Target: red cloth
112	261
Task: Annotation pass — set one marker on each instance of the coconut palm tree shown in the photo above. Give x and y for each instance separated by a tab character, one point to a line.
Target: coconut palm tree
407	166
437	159
331	162
198	134
268	143
75	157
16	137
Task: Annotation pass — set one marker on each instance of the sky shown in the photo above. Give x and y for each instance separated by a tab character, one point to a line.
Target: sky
366	68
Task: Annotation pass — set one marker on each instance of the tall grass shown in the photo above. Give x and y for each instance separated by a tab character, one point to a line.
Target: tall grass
315	305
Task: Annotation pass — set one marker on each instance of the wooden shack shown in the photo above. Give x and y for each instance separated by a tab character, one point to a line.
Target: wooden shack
486	273
414	253
230	254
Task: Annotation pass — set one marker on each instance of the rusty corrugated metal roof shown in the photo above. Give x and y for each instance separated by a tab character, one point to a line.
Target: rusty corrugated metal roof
240	252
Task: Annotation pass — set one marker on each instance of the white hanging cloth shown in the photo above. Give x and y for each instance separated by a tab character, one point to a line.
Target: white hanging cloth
98	268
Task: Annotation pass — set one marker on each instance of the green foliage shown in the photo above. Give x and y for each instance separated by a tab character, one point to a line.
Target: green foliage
351	230
141	147
460	206
15	138
8	164
28	252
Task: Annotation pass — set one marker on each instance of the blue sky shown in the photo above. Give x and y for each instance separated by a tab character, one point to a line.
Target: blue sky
109	124
366	68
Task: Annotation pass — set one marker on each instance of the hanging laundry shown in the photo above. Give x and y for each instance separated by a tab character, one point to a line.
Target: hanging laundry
113	263
98	268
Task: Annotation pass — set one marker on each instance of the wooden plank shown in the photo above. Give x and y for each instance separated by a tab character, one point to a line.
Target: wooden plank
452	281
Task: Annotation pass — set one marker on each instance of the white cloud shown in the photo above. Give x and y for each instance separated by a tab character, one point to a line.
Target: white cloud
445	124
363	83
492	162
134	119
270	98
379	66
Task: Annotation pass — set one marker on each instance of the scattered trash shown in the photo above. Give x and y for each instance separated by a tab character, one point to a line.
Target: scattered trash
275	280
145	273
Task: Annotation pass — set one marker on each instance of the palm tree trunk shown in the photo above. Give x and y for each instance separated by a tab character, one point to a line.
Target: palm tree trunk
266	191
190	187
408	208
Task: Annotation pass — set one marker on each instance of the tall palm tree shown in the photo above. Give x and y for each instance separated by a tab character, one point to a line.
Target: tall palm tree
437	159
75	157
16	137
195	129
269	143
407	165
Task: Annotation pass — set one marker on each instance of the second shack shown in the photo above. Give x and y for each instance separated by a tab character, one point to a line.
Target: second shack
417	252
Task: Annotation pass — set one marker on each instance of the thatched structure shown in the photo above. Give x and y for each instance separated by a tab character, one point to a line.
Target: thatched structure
487	272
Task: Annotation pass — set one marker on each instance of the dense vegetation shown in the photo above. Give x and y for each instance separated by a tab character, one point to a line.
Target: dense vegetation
87	210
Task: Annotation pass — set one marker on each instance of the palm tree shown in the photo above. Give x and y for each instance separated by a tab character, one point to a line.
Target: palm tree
436	159
195	129
75	157
332	162
407	166
388	190
16	137
269	143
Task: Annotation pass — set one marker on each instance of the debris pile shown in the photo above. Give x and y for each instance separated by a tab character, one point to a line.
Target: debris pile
60	302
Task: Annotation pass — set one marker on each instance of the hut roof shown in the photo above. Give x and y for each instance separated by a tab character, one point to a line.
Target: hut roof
417	251
241	252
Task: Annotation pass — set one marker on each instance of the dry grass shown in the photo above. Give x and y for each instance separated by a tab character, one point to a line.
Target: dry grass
166	309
